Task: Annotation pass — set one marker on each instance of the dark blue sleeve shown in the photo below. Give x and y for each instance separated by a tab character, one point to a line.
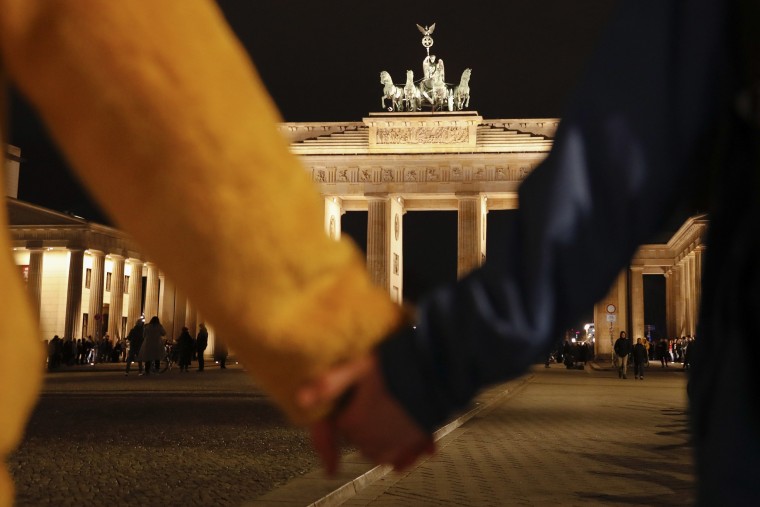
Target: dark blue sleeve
621	156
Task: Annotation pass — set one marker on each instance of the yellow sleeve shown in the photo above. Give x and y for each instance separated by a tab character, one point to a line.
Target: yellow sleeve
158	109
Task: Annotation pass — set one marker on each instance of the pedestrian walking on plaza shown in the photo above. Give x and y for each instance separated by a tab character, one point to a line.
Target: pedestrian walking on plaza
622	349
135	340
639	359
185	347
152	350
201	342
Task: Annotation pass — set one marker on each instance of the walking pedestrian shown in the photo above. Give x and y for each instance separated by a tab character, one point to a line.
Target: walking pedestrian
639	359
622	350
135	340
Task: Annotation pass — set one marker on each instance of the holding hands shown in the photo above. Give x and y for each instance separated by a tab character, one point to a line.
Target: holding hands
365	414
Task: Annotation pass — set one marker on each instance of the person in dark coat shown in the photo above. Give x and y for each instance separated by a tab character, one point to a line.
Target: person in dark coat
185	347
201	342
663	353
152	350
135	340
622	349
639	359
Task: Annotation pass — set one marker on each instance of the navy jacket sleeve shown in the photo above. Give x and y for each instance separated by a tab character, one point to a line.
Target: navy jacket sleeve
621	156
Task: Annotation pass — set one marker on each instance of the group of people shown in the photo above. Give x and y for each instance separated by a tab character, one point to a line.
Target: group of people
145	344
640	353
674	350
148	348
69	352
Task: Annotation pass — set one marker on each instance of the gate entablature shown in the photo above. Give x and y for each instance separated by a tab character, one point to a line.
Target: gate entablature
421	155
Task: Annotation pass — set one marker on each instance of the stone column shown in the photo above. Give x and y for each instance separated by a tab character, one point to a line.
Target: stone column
166	302
693	303
385	243
116	310
333	211
396	248
96	294
609	324
180	312
698	277
190	319
679	300
151	291
378	240
670	318
471	232
637	302
135	293
686	282
74	293
34	282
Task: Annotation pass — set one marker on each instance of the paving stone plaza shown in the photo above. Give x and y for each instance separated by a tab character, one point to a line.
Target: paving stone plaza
554	437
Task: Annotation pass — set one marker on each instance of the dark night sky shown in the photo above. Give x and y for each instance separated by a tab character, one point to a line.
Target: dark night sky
321	62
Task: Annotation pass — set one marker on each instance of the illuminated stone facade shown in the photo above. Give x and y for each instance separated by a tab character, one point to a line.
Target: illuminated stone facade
386	164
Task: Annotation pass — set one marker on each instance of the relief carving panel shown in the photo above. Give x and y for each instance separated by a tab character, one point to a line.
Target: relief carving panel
423	135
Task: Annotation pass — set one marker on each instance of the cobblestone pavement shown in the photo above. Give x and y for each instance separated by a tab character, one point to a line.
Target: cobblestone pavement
100	438
568	437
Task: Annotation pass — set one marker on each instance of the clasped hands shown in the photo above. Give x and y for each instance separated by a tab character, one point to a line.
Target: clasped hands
365	415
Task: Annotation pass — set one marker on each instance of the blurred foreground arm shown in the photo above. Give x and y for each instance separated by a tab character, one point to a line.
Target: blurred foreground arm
158	109
634	131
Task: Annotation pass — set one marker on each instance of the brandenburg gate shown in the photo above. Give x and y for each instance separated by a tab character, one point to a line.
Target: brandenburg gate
424	152
393	162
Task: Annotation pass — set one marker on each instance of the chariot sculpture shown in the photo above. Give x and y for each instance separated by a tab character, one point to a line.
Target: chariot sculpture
431	90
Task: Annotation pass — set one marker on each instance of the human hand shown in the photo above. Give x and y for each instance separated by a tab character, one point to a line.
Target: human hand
366	415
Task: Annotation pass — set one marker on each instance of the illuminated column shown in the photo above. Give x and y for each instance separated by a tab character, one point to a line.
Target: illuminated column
34	282
180	312
116	309
74	293
680	299
166	301
637	302
135	293
385	241
151	292
333	212
610	315
471	232
686	282
698	277
670	314
191	320
396	249
96	294
378	240
692	293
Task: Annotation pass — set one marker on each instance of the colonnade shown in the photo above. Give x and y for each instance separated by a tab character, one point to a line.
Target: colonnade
683	293
680	262
385	235
161	297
